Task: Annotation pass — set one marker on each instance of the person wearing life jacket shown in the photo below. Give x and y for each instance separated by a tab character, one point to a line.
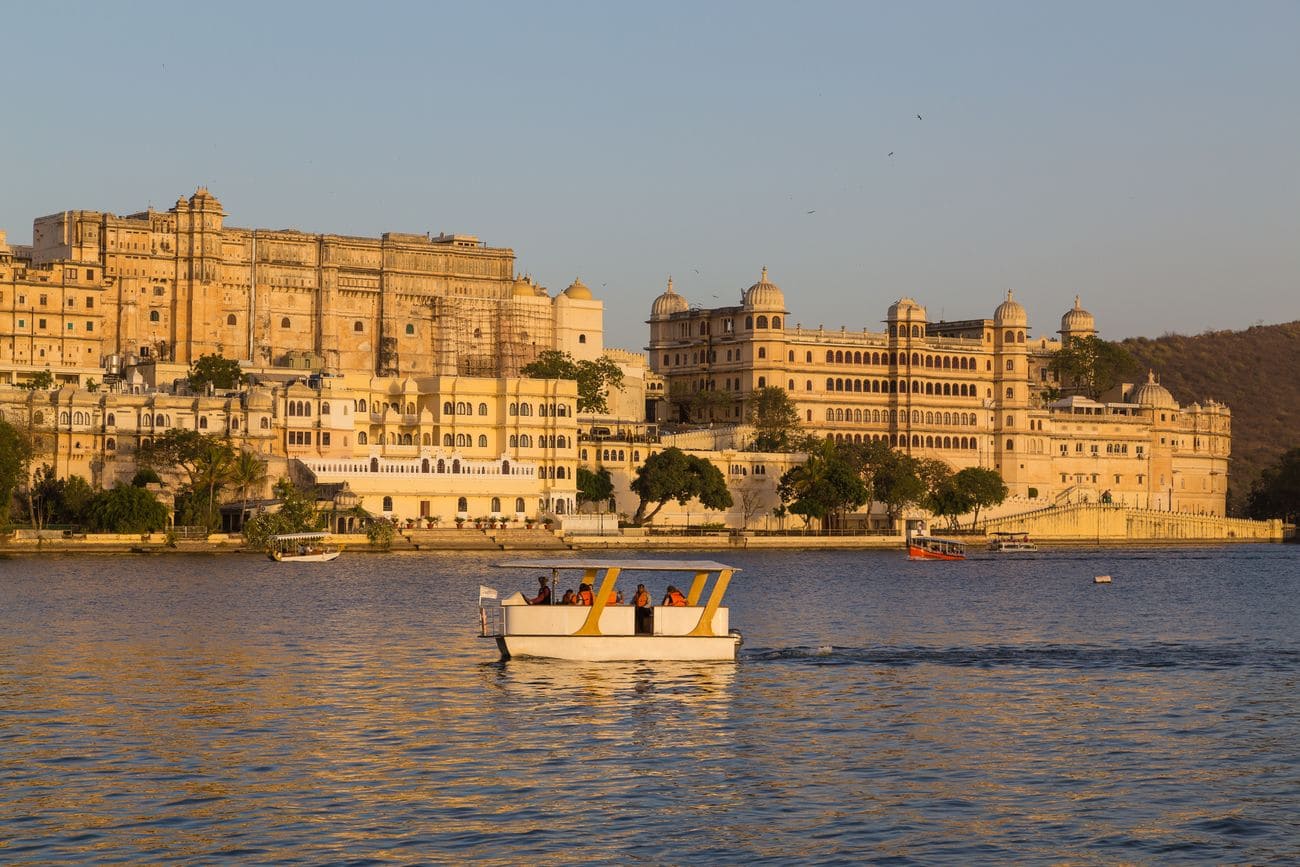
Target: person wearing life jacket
643	619
568	598
585	596
641	598
674	598
615	597
543	596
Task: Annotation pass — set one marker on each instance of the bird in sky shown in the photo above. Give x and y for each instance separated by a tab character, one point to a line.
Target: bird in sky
891	153
813	211
918	117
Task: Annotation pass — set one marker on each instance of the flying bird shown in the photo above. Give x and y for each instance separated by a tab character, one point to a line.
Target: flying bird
891	153
813	211
918	117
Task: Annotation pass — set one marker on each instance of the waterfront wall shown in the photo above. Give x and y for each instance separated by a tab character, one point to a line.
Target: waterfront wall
1112	523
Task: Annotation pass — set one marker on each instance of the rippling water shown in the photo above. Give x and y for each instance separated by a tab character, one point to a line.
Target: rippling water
165	708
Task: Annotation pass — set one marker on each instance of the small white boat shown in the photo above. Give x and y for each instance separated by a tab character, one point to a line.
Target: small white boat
605	631
302	548
1011	542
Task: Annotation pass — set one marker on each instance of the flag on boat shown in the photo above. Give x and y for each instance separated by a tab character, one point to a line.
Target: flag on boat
486	592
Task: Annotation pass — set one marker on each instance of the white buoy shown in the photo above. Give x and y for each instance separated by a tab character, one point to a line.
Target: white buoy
1101	579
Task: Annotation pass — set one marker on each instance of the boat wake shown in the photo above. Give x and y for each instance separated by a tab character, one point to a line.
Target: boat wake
1159	655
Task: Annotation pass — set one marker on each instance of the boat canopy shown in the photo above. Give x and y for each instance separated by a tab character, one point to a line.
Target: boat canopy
623	565
298	537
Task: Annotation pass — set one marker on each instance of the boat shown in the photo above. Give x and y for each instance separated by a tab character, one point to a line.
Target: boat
1011	542
935	548
302	548
605	632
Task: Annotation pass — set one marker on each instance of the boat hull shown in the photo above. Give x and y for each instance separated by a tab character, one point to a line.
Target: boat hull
924	554
306	558
622	648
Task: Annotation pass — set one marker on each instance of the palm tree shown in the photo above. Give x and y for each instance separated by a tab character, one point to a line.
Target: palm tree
248	473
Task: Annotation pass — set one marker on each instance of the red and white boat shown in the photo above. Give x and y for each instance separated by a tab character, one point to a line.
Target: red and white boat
935	548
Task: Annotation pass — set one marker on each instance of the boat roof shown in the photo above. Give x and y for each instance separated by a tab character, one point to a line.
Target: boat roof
1010	533
625	565
293	537
939	539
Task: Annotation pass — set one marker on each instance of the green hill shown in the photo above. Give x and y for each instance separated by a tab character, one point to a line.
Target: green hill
1256	372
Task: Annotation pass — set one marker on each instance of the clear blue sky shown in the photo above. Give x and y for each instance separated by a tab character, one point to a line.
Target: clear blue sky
1144	155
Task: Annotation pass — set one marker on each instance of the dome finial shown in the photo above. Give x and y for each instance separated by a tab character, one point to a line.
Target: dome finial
763	279
670	283
1151	376
1008	294
1076	303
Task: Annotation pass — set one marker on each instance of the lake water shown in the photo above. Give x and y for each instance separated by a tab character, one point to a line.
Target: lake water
160	708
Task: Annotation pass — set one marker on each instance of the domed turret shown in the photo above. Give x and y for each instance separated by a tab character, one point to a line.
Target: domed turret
668	303
1077	321
905	310
525	288
578	291
1010	312
1152	393
764	295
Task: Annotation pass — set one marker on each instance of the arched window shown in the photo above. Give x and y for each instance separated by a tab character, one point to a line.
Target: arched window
110	444
230	320
442	465
513	441
266	423
776	323
1020	337
830	414
358	326
762	382
203	422
916	331
482	441
153	316
762	352
762	322
830	384
1011	444
388	504
582	338
285	323
496	505
112	419
448	408
455	467
482	409
462	505
448	441
519	504
749	322
1011	392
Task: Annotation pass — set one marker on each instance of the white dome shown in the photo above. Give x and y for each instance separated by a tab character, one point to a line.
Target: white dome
1010	312
1152	393
1077	319
668	303
578	291
906	310
764	295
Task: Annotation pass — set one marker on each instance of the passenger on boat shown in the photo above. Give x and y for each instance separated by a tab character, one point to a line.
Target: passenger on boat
615	597
543	596
568	598
644	616
585	595
674	598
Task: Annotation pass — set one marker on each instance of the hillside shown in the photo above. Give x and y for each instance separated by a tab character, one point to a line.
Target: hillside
1256	372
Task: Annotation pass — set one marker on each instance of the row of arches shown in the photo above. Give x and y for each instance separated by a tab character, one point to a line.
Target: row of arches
917	441
938	362
752	322
460	407
303	408
890	386
892	416
543	409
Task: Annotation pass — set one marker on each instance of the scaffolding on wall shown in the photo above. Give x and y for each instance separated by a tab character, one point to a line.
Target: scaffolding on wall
486	336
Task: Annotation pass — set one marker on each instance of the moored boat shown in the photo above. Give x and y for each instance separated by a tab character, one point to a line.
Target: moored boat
302	548
605	631
1004	541
935	548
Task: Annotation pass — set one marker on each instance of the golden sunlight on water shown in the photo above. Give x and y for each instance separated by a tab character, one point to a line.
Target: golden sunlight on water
203	708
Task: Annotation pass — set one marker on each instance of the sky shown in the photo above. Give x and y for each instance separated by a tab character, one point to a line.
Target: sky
1144	155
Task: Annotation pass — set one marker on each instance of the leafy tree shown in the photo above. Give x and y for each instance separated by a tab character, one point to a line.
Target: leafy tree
775	419
297	514
380	533
949	500
248	474
15	459
983	487
44	496
674	475
77	497
594	487
216	370
1276	493
895	478
145	476
206	460
43	380
594	378
127	509
1091	366
826	486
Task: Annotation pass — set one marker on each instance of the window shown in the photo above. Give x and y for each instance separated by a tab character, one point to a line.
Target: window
462	505
203	423
482	409
496	505
285	323
410	329
230	320
582	338
762	352
90	303
90	326
388	504
356	326
482	441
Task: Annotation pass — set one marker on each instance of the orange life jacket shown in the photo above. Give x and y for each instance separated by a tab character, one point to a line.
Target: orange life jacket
613	599
586	597
641	600
676	599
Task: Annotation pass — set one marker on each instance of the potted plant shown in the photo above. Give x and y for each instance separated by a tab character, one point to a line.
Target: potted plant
460	522
528	523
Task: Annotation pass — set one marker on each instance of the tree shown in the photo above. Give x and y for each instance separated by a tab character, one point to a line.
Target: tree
297	514
983	487
894	477
949	501
206	461
825	486
76	500
1276	493
127	509
751	495
1091	366
42	380
15	459
594	378
594	487
216	370
775	419
247	474
674	475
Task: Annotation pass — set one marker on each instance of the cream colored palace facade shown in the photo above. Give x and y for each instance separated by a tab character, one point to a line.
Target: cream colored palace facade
970	393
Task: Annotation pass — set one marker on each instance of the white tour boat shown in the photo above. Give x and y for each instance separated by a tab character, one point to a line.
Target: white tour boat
1011	542
606	632
302	548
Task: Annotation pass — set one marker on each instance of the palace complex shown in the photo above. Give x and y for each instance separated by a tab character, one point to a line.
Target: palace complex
975	392
387	370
